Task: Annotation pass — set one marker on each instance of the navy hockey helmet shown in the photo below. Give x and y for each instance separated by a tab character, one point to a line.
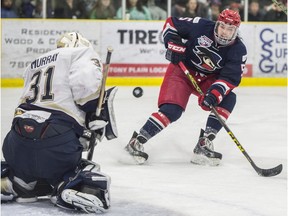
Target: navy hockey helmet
226	28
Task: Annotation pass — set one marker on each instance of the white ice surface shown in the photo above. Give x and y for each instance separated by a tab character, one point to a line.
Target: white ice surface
169	185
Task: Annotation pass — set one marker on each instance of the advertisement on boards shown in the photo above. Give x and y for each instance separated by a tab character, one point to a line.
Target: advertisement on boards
25	40
272	56
138	46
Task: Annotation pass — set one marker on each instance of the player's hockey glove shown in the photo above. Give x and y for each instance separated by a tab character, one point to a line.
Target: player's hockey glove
175	50
208	100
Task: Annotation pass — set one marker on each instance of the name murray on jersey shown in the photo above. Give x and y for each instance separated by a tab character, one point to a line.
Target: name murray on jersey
44	60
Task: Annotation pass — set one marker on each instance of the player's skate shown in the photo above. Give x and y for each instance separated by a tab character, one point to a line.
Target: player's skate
135	148
204	153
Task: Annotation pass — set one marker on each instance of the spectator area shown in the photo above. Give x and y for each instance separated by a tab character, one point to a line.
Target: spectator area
256	10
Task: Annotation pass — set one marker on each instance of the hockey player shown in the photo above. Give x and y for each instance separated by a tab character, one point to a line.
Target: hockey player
43	149
215	56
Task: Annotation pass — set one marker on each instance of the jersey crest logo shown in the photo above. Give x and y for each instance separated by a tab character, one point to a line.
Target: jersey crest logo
208	59
204	41
28	128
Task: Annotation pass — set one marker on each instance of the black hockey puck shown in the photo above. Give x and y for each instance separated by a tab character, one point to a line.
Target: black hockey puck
137	92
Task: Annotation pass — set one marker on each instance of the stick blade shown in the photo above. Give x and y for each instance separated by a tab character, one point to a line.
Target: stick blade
270	172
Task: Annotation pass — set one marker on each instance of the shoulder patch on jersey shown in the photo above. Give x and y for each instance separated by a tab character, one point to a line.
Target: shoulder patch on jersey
204	41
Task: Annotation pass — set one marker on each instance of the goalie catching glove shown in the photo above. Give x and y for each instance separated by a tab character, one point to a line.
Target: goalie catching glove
100	126
175	50
105	124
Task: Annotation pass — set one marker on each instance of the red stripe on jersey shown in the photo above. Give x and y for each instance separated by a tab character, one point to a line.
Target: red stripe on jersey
161	119
231	86
226	85
223	112
169	24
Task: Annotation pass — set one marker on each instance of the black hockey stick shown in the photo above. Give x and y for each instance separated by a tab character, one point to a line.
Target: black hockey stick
262	172
93	141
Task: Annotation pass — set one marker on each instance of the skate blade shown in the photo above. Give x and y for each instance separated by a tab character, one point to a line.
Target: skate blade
131	160
138	156
139	160
204	161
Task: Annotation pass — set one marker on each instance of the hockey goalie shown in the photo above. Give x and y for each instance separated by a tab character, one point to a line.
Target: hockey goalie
53	124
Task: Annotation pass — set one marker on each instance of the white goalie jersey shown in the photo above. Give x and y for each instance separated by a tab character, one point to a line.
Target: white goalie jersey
62	79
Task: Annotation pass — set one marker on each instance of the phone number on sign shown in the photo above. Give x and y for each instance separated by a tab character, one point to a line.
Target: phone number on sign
19	64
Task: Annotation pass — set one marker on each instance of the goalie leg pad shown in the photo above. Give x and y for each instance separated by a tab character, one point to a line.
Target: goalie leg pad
14	188
88	190
18	190
7	192
87	202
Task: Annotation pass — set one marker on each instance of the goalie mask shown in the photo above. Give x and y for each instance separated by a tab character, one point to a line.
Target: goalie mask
226	28
72	39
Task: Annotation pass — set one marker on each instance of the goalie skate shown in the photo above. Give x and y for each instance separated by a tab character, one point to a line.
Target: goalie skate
204	153
87	202
136	149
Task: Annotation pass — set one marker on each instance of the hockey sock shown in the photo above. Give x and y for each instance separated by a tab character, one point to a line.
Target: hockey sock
213	125
156	123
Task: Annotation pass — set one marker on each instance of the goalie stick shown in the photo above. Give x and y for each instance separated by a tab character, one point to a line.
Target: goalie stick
105	73
262	172
93	141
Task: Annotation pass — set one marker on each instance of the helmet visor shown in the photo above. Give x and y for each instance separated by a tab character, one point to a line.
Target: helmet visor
225	33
